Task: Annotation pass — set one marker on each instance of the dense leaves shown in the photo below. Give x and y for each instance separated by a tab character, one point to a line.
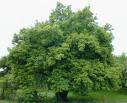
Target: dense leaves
70	52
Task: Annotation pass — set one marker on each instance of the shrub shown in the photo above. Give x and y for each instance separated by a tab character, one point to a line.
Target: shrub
28	95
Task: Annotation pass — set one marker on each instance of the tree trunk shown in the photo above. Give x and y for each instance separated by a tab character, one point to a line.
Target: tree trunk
61	97
123	83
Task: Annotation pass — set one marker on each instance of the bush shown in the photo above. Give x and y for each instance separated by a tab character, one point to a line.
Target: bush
7	91
28	95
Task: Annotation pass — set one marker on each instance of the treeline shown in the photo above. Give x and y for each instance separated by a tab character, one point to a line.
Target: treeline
68	53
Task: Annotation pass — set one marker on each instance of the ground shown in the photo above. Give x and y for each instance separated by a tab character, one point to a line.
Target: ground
94	97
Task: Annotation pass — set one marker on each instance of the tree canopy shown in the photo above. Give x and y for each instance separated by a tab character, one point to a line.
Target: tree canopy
69	52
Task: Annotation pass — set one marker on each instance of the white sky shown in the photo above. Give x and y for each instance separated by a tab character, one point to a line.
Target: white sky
16	14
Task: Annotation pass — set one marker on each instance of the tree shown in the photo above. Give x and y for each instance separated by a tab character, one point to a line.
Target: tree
122	61
70	52
4	65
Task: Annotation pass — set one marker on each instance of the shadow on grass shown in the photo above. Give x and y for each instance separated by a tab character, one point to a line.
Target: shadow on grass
122	91
74	100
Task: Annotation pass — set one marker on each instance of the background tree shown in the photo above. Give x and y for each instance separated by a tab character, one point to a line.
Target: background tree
4	65
121	60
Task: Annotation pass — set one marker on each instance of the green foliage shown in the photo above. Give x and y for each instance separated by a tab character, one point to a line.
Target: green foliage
70	52
28	95
61	13
8	88
4	64
122	62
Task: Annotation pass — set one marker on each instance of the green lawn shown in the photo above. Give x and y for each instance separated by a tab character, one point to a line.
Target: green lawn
5	101
94	97
102	97
110	97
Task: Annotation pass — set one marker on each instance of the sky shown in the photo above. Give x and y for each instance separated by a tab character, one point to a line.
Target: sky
17	14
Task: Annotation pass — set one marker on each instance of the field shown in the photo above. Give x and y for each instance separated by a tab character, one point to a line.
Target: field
94	97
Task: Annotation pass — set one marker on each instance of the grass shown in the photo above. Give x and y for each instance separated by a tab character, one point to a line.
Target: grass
106	97
6	101
94	97
110	96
